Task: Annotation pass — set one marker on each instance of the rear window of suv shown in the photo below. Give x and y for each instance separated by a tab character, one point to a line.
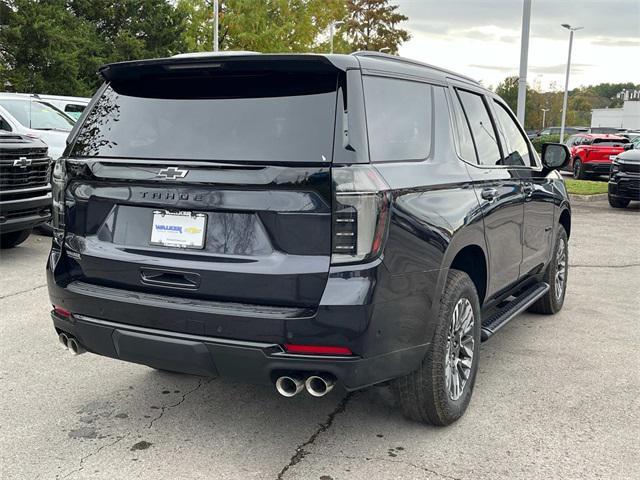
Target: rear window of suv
265	117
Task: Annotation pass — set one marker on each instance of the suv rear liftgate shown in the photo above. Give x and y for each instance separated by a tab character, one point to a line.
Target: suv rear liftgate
199	209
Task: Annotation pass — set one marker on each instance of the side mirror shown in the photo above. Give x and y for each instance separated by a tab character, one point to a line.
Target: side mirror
555	155
628	146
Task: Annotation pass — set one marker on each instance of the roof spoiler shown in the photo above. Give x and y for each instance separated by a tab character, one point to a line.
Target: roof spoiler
223	62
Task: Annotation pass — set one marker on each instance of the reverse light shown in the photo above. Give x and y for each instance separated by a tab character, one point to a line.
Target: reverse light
360	213
316	349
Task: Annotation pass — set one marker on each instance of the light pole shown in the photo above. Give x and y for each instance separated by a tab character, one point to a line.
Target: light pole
332	28
544	115
215	25
524	55
566	80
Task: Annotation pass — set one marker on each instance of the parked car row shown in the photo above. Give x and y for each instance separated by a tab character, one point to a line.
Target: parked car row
33	130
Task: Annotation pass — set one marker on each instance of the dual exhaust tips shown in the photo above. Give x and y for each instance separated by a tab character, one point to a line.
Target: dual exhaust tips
71	343
317	385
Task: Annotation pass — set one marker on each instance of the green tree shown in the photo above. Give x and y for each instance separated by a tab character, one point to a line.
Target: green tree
56	46
45	49
372	25
265	26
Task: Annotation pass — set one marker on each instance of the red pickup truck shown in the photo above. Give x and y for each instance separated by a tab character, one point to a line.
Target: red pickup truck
591	153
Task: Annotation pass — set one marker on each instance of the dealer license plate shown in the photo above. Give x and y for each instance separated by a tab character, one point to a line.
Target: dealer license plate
178	229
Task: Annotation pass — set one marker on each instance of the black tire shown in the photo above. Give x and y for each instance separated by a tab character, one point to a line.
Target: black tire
13	239
618	202
551	302
423	395
578	170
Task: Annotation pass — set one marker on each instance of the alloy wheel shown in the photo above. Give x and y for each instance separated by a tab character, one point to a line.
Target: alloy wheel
561	269
459	348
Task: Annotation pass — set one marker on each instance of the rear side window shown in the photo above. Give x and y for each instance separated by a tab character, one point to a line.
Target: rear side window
465	140
261	117
482	129
399	120
516	149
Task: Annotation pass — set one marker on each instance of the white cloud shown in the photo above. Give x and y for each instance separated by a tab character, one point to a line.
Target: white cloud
481	38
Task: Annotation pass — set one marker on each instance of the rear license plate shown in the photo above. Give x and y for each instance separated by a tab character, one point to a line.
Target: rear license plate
178	229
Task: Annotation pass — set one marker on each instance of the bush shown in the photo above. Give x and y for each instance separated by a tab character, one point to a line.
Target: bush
538	141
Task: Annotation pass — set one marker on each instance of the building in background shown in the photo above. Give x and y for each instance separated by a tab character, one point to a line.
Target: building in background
627	117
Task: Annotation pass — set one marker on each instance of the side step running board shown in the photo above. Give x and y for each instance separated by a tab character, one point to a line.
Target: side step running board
501	317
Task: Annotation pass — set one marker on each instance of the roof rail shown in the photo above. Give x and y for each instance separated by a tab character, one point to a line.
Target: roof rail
396	58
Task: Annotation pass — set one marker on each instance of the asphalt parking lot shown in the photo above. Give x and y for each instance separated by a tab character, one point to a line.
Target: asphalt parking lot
556	397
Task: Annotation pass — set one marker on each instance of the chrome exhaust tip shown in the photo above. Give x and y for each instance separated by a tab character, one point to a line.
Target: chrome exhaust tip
319	385
74	347
64	340
289	385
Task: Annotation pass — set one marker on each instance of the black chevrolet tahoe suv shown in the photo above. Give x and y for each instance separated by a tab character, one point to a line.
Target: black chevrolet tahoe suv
25	191
304	221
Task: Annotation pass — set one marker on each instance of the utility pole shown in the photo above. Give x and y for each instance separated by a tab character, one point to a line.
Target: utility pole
544	115
566	80
524	56
215	25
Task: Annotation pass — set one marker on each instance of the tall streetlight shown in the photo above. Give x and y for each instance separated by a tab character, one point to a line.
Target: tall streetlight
566	80
215	25
544	115
332	28
524	55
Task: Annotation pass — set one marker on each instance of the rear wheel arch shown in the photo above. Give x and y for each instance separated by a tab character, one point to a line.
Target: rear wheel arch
472	260
565	221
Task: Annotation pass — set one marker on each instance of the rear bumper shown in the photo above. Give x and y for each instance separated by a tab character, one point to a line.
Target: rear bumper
600	168
389	337
252	362
24	213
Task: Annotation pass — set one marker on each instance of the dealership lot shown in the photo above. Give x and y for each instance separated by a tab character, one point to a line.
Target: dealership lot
557	397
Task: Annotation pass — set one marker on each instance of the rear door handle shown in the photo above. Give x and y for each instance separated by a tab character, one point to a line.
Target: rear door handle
489	193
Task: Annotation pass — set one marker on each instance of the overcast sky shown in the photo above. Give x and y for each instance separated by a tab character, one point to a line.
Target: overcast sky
481	38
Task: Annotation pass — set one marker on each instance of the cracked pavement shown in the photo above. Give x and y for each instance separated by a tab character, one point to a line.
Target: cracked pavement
556	397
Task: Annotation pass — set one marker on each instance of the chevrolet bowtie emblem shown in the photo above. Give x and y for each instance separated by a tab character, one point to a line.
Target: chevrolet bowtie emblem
172	172
22	162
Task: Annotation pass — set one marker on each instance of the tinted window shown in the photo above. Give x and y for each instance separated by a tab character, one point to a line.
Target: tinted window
515	147
467	150
37	115
482	129
398	119
4	125
271	117
609	142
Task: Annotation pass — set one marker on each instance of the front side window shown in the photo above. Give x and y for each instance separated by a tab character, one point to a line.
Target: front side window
37	115
482	129
398	119
261	117
515	146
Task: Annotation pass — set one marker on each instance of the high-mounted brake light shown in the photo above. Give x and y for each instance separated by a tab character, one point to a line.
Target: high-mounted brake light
316	349
360	213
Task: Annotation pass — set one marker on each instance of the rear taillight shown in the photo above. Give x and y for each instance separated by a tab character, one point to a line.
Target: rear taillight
360	213
58	183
